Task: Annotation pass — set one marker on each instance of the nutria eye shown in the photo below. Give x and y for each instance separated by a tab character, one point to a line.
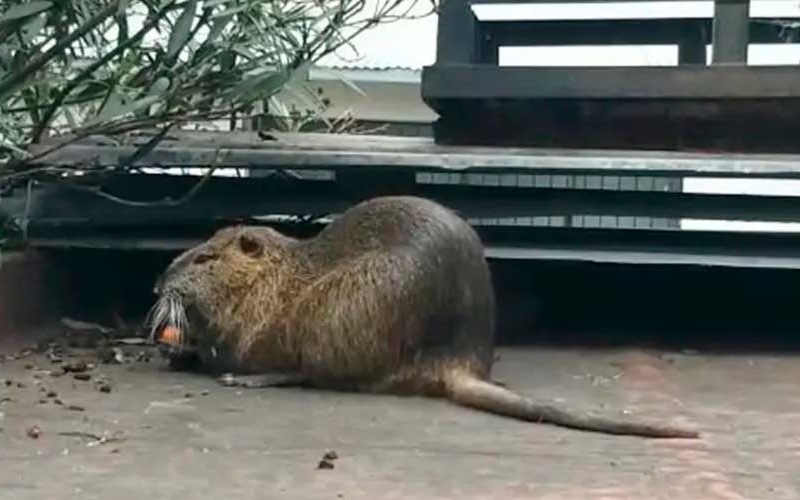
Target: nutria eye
250	246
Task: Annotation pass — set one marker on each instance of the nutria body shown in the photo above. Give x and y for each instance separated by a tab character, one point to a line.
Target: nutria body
395	296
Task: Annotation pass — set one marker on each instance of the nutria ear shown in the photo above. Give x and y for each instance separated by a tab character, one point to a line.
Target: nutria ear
250	245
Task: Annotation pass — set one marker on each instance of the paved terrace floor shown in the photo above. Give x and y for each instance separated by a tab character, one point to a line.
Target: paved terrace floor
178	435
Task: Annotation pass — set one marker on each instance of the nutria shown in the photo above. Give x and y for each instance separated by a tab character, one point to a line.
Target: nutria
394	296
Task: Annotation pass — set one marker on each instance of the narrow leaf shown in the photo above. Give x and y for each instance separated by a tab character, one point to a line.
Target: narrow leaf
70	116
260	86
216	29
210	4
24	10
113	104
13	147
159	86
121	110
32	29
182	29
123	7
231	11
351	84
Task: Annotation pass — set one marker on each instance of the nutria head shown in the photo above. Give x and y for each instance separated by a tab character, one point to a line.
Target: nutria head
220	288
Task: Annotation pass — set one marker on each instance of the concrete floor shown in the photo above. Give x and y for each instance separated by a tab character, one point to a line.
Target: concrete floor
186	437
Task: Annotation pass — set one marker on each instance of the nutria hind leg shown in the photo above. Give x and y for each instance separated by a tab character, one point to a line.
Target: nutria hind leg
264	380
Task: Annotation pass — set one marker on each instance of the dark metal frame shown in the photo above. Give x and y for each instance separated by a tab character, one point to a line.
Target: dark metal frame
61	215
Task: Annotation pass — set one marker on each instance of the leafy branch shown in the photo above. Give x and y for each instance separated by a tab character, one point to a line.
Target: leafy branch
70	69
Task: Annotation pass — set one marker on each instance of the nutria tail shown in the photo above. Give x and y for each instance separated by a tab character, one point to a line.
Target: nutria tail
468	390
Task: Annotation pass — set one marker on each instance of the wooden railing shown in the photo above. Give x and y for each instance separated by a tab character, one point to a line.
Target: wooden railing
726	105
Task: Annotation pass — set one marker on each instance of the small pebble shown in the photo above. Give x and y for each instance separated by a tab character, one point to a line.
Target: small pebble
205	392
29	366
58	401
82	376
105	388
331	455
52	394
34	432
76	408
76	367
188	395
43	401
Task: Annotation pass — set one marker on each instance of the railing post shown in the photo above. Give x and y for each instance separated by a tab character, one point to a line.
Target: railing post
731	31
457	38
692	46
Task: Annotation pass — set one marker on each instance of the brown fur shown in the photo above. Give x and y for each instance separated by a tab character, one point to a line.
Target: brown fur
395	296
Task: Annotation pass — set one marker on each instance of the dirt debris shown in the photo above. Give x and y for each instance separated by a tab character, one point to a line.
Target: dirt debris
325	465
327	460
76	367
111	355
22	354
95	439
34	432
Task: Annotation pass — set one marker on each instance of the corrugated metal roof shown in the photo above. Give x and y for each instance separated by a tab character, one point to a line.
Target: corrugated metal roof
394	74
369	68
